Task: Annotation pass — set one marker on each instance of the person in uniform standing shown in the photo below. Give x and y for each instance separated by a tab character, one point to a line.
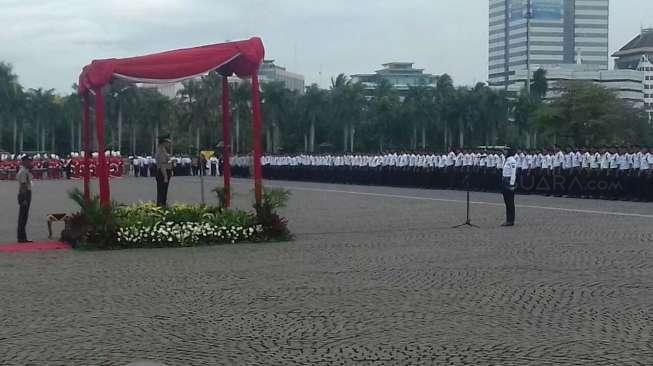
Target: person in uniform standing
509	179
163	170
24	178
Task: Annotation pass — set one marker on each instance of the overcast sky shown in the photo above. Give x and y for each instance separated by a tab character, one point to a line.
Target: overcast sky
48	42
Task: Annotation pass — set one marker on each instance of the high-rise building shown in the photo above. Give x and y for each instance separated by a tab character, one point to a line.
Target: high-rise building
529	34
638	55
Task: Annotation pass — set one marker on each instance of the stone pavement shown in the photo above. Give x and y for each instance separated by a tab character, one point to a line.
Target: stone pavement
375	277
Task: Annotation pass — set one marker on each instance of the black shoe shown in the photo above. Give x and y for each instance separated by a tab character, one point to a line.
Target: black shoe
508	224
25	241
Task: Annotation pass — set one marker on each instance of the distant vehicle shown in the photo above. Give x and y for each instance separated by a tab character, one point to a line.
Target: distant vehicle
493	147
326	147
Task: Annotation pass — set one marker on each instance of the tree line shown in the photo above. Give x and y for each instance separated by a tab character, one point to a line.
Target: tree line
346	117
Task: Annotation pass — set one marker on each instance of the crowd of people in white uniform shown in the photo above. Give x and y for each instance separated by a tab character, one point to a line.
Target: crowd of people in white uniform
182	165
610	173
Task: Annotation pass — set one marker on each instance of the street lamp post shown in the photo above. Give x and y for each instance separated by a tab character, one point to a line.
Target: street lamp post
116	95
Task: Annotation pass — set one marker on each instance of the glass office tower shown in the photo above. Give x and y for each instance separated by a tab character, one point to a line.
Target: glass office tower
539	33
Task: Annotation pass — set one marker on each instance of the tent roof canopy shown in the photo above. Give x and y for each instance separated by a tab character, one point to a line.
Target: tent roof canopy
241	58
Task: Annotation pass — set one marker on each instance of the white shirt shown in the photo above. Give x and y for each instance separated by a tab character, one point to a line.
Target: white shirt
500	161
637	160
595	161
510	169
547	162
539	159
527	162
490	161
451	157
567	161
558	159
467	160
647	161
585	160
605	160
622	162
459	159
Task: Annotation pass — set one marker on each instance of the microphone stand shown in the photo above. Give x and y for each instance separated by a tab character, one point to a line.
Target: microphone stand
468	221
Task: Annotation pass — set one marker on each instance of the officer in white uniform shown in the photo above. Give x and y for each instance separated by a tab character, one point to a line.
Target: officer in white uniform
509	178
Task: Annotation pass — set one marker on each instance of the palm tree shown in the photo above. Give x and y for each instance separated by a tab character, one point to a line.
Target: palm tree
347	102
524	107
314	102
445	97
338	105
241	96
11	99
41	110
275	100
419	105
383	111
192	101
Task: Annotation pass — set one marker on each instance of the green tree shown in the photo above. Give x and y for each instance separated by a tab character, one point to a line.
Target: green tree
275	99
241	97
586	114
539	84
314	106
347	105
419	106
384	111
445	107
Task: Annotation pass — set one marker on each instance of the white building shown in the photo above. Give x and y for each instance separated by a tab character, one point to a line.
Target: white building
646	67
270	72
638	55
401	75
627	84
543	33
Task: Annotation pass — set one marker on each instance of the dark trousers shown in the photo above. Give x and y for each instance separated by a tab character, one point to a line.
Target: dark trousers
162	188
509	200
23	213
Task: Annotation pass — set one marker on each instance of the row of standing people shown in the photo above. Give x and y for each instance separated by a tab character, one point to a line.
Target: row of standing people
145	166
608	173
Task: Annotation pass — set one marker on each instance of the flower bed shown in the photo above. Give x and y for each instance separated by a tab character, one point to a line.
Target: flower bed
185	234
144	225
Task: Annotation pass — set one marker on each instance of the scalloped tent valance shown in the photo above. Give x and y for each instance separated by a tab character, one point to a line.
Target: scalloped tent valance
241	58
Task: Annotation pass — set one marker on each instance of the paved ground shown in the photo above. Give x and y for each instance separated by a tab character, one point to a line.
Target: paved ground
375	277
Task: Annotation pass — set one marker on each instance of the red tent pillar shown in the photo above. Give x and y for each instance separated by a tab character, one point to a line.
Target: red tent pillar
103	169
226	138
256	137
86	147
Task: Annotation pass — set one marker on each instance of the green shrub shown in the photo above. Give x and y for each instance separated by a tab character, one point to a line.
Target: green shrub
144	213
179	213
234	217
95	223
275	227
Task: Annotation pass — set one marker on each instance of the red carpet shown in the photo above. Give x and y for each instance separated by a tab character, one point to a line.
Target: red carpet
32	247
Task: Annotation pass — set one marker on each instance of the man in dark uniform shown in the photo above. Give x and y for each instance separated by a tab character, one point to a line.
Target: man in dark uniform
163	170
24	178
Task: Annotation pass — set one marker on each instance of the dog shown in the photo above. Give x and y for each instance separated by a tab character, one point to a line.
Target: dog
56	217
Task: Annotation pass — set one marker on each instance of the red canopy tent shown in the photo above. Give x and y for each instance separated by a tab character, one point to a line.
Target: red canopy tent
242	59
